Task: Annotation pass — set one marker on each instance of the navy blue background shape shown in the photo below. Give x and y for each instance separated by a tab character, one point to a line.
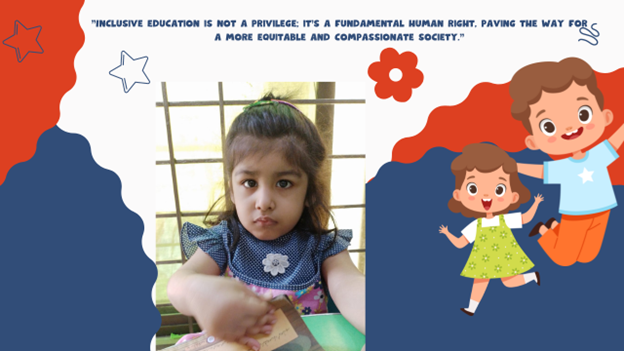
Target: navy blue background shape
415	292
74	273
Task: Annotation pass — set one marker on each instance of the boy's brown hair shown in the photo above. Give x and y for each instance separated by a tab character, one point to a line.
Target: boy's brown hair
486	158
529	82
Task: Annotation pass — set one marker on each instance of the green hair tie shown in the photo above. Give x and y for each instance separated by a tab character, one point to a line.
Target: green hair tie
272	101
258	103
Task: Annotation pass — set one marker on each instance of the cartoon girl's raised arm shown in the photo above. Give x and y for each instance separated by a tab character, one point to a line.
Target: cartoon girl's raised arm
458	242
528	215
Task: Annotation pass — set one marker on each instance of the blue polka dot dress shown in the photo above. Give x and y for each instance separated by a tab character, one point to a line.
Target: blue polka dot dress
290	264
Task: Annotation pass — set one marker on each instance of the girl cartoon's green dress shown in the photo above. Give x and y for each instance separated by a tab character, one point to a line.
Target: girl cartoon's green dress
495	253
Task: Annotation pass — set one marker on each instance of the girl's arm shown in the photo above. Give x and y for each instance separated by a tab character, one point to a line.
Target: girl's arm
224	308
528	215
199	270
458	242
536	171
347	286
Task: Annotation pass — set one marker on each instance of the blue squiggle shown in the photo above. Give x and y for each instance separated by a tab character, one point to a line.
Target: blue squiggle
590	33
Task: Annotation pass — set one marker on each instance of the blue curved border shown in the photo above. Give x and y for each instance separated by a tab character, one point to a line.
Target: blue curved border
415	292
75	273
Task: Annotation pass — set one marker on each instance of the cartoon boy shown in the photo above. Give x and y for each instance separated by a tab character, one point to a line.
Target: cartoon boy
560	105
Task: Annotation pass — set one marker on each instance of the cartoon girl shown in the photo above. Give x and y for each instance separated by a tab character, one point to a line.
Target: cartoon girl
272	237
487	187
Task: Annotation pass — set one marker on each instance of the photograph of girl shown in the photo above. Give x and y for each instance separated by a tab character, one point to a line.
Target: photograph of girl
272	233
487	187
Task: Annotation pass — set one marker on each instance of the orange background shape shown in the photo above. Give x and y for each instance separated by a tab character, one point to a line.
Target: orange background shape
485	116
32	89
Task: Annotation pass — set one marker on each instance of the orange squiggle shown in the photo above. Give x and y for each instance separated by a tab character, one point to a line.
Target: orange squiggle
34	87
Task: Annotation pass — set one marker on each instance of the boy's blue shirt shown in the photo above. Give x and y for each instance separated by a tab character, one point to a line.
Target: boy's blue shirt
585	184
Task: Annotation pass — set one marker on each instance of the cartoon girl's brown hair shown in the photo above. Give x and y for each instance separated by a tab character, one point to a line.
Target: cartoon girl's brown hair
486	158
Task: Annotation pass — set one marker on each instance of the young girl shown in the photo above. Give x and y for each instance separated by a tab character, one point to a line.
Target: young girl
272	235
487	187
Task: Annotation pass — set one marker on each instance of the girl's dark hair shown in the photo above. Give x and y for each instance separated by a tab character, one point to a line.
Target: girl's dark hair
263	128
486	158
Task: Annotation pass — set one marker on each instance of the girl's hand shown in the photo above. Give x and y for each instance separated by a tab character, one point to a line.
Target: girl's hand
444	230
539	198
233	312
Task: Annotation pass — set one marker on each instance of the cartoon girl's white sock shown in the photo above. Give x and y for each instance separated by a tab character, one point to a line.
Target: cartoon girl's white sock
529	277
472	307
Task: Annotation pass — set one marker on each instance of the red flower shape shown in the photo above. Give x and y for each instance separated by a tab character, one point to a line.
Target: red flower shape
401	90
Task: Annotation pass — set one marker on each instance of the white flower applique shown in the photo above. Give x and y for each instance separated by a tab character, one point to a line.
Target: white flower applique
275	263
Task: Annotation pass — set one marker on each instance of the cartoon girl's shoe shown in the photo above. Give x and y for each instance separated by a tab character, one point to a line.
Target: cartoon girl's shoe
467	312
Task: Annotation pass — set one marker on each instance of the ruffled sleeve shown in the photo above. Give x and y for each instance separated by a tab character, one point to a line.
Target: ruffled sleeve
211	241
329	247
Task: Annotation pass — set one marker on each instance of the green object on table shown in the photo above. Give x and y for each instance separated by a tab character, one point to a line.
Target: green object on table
334	333
174	336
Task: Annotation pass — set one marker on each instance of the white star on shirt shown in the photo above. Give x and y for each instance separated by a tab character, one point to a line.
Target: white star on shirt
586	175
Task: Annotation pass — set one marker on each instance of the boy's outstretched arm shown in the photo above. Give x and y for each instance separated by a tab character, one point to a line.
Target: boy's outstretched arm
535	171
617	138
528	215
458	242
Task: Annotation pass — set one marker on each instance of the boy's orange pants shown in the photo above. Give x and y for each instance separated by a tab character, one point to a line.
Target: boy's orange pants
576	238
